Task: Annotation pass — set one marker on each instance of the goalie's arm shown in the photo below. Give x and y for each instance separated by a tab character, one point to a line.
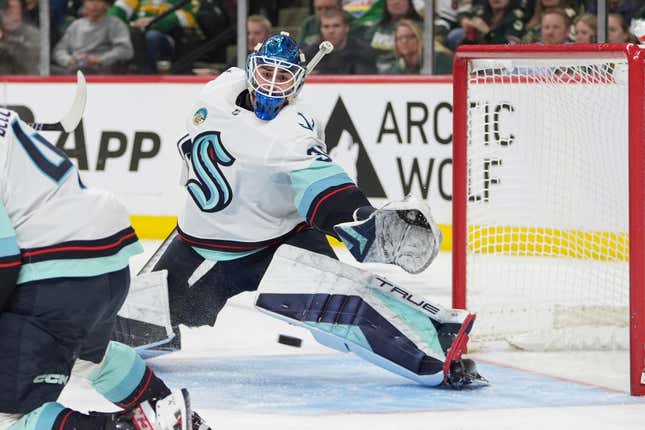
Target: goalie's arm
401	233
326	196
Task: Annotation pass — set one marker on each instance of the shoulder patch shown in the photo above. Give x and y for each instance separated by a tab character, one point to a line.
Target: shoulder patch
200	116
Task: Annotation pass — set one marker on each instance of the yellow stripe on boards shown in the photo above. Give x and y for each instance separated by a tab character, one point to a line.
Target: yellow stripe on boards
153	226
159	227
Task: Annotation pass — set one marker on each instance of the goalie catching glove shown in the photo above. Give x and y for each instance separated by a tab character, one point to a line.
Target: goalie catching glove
401	233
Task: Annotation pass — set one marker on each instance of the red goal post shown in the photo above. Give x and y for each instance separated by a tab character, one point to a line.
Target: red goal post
549	192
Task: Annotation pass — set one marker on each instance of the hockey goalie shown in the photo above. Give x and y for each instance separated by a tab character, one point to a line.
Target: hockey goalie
262	196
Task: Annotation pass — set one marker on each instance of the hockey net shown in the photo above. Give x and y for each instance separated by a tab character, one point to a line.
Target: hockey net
548	190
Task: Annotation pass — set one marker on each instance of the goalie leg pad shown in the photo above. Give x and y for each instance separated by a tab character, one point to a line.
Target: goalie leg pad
350	309
357	328
144	319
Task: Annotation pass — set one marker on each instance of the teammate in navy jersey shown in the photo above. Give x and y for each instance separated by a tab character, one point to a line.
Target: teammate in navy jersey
64	274
258	176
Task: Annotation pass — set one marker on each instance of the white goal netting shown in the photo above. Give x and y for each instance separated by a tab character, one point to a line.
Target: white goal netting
547	265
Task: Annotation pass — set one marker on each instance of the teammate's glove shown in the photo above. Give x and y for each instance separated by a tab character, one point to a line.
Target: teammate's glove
401	233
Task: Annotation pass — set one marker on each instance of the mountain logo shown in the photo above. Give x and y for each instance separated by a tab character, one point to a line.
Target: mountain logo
346	148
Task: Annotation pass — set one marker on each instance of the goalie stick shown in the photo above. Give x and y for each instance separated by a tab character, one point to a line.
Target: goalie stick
324	48
72	118
154	258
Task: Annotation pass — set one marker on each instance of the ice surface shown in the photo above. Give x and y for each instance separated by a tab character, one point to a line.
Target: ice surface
241	378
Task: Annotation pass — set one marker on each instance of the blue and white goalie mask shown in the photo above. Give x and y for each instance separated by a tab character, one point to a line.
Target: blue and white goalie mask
274	75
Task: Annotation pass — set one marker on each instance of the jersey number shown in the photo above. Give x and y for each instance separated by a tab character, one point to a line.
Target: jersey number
321	156
48	158
211	192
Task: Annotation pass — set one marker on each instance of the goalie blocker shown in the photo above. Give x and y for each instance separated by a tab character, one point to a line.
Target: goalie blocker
352	310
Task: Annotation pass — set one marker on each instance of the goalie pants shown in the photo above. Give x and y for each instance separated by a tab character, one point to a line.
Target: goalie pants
46	326
200	303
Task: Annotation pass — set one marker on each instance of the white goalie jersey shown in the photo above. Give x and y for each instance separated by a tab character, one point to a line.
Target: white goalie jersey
250	182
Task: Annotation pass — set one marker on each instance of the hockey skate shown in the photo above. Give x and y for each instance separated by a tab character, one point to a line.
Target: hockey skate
458	371
173	412
464	372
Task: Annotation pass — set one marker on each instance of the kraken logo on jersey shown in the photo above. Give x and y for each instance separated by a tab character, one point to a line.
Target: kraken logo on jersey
210	191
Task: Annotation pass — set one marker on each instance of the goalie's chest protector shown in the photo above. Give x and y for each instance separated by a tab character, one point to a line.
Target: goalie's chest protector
239	167
43	194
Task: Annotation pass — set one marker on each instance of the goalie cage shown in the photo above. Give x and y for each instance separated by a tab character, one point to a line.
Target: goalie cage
548	197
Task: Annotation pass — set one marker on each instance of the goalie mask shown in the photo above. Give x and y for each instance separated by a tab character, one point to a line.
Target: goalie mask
274	74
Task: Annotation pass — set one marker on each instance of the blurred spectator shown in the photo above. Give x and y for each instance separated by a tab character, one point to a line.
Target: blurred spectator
626	8
637	26
533	31
358	8
555	27
373	14
156	41
30	14
310	29
640	13
58	13
269	8
618	30
585	28
19	41
494	21
380	34
528	6
534	7
350	55
455	35
409	51
377	9
57	16
212	18
454	10
450	12
258	28
95	43
446	17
